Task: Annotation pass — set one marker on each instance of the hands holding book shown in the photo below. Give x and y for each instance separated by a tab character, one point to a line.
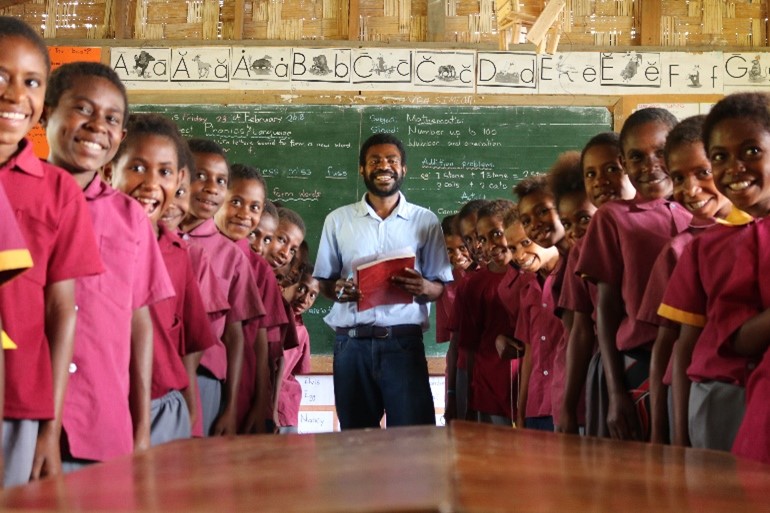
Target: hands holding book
413	282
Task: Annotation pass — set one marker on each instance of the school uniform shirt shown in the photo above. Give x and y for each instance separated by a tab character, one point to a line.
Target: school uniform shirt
356	231
14	255
180	324
701	292
621	245
552	290
541	330
236	281
54	220
296	361
578	294
481	318
753	438
214	300
444	307
454	324
275	317
509	291
96	415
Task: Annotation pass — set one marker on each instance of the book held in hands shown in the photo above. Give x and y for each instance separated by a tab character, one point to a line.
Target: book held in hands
373	276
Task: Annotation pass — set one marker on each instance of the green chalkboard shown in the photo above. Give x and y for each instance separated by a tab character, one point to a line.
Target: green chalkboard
309	156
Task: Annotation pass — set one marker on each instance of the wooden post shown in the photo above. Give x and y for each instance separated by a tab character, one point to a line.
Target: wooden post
651	11
354	24
124	14
436	20
240	9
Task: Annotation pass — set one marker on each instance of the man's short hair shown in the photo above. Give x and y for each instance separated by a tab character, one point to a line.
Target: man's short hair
381	139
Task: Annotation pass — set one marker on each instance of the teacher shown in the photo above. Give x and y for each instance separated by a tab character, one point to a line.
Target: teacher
379	357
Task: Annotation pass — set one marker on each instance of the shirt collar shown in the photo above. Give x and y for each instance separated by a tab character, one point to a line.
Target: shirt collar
97	188
168	238
205	229
736	217
403	209
26	161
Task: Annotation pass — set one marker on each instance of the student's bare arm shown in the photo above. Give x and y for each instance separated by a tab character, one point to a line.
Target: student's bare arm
277	389
753	338
191	362
525	371
621	415
225	424
683	348
255	419
450	409
140	372
60	317
661	354
423	290
580	349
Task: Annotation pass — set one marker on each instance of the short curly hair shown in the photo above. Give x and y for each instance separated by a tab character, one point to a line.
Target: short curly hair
644	116
566	176
747	106
689	131
531	185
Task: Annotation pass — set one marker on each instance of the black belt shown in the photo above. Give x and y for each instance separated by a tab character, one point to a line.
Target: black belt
399	330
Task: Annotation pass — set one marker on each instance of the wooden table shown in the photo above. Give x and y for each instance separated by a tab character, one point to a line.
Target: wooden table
470	467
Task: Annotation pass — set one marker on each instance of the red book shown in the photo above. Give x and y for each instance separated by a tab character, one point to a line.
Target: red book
373	279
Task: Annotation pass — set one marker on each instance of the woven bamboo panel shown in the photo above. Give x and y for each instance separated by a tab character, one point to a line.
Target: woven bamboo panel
714	22
288	19
76	19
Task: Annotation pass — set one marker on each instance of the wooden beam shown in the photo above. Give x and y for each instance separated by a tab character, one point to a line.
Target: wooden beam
651	11
543	23
124	14
436	20
240	12
4	4
354	23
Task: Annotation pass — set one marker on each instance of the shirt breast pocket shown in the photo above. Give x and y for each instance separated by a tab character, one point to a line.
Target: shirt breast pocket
39	237
117	282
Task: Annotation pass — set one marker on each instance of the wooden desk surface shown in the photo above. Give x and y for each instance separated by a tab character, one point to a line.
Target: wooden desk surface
468	468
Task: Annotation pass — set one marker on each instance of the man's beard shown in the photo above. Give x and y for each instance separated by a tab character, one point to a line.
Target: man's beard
371	184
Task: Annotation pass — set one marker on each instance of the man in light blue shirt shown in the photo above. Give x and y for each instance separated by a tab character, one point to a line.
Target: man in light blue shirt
379	356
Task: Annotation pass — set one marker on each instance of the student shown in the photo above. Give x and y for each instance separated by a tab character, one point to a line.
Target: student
262	235
288	274
220	371
575	212
283	248
301	297
14	259
538	326
214	300
715	281
458	379
481	317
621	245
38	309
604	179
239	216
146	167
694	189
107	404
460	260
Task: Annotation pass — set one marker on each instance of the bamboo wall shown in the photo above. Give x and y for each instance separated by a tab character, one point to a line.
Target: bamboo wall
583	22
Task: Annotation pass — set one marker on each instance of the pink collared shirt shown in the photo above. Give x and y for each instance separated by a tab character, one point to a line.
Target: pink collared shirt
481	318
710	274
236	281
621	245
14	255
180	323
296	361
54	220
541	330
96	415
